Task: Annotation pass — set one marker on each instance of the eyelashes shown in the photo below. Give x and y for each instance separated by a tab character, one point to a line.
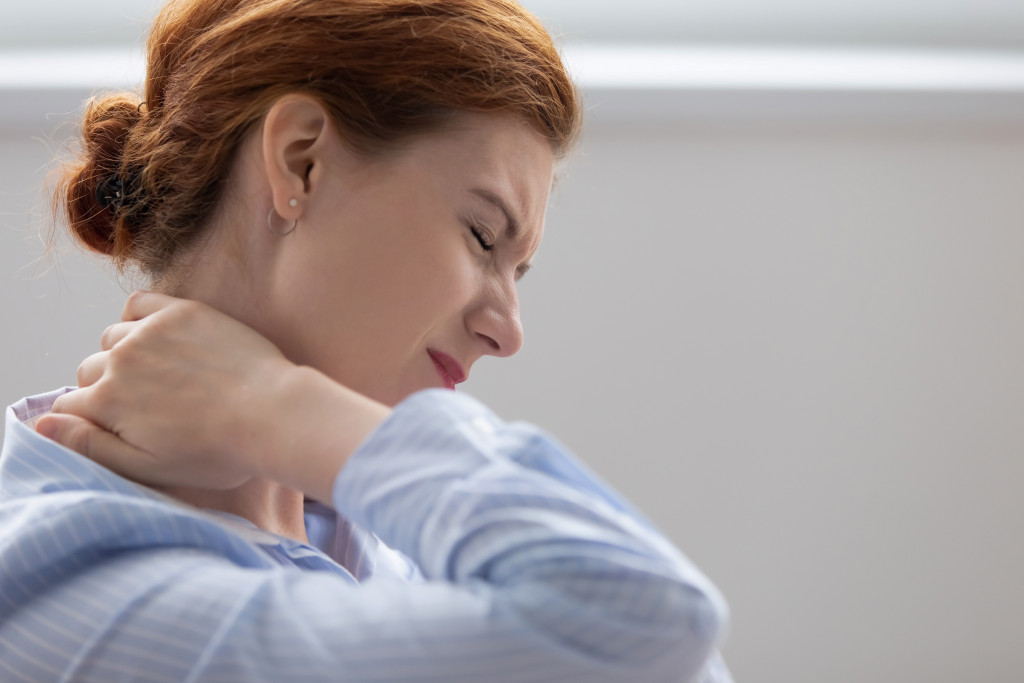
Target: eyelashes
484	244
488	246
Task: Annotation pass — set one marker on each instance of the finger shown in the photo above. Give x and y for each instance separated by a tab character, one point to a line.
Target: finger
142	303
92	368
115	333
95	443
78	403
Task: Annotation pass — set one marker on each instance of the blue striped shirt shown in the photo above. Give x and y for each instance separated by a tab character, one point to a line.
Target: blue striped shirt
494	556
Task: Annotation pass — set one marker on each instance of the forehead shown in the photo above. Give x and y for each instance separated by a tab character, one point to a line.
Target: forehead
496	152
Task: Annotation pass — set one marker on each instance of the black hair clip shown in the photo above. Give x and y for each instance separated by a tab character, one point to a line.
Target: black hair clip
110	193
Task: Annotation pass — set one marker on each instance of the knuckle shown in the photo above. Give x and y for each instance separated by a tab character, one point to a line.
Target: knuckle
124	354
156	331
119	354
188	311
135	297
129	304
107	337
101	398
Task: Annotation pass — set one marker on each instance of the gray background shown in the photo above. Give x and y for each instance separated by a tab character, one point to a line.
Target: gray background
794	340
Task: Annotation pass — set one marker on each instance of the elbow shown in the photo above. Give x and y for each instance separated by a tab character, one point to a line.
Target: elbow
659	630
702	620
706	614
682	636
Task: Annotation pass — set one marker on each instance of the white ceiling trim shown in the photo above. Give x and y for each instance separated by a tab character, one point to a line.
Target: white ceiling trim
640	82
628	66
71	69
749	68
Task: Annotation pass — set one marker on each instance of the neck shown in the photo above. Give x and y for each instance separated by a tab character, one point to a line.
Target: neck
214	276
265	503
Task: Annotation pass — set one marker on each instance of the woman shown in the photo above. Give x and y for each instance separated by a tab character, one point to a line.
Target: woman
340	196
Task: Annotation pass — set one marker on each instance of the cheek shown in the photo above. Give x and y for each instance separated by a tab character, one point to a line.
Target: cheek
386	276
427	285
418	269
387	300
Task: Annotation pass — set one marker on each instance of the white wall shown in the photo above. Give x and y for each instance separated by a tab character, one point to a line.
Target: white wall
53	305
797	349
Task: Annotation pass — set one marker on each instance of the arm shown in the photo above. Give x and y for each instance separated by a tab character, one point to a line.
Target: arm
558	552
535	571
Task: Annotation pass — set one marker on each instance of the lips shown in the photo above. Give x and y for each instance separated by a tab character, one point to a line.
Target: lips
448	368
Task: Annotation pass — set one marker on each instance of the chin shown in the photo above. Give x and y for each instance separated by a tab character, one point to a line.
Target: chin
389	396
387	393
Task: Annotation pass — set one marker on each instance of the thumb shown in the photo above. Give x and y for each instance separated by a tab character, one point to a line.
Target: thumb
86	438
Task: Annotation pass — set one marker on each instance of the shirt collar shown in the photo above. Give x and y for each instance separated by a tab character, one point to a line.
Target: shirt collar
31	464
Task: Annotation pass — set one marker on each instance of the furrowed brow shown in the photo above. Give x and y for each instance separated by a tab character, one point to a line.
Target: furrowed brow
512	227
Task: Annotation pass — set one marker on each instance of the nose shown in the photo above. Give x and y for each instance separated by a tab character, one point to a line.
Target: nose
496	324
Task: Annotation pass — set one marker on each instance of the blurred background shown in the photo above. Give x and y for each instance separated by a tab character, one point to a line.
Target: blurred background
780	303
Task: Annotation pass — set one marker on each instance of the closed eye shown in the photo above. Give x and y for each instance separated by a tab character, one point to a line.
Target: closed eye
484	244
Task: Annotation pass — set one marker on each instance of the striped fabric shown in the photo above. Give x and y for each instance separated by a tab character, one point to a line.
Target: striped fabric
494	556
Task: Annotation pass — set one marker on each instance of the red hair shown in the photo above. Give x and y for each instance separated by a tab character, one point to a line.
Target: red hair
385	70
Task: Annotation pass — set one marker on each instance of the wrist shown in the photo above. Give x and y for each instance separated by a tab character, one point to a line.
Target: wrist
245	428
326	421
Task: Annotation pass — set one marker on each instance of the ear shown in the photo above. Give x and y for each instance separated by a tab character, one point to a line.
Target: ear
294	144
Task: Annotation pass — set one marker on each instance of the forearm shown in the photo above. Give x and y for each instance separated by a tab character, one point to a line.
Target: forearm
473	499
326	423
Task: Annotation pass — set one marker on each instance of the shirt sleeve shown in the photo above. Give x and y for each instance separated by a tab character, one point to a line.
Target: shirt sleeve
535	571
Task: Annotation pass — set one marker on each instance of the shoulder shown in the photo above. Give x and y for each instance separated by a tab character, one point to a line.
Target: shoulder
55	539
60	512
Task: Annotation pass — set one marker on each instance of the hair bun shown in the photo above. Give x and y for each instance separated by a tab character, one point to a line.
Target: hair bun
91	187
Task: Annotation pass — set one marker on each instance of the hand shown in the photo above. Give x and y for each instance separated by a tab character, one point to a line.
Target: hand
183	395
177	396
